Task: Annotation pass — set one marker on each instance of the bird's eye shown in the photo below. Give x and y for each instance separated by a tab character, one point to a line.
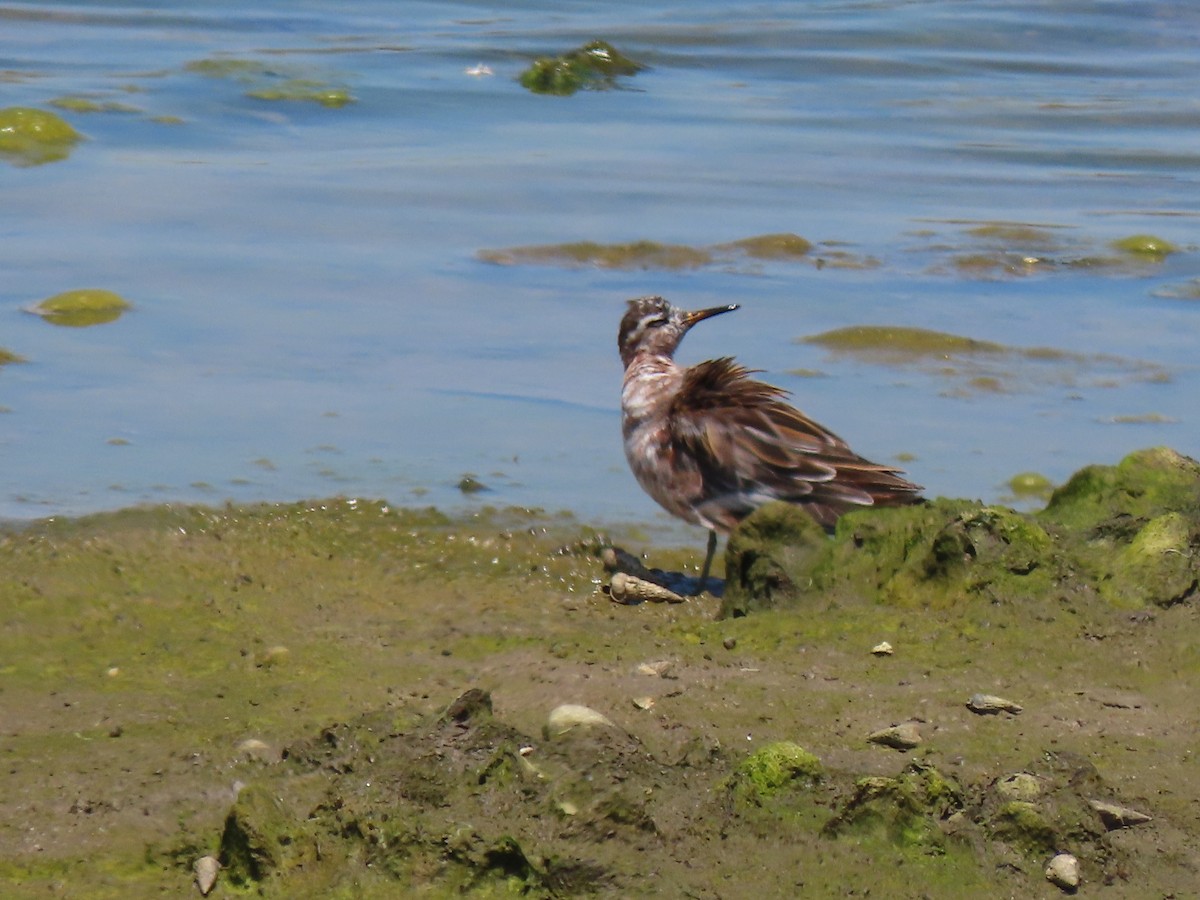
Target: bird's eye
657	322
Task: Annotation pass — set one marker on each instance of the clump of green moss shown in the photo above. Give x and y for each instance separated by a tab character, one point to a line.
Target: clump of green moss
776	766
1050	809
80	308
594	66
33	136
258	840
1129	534
907	810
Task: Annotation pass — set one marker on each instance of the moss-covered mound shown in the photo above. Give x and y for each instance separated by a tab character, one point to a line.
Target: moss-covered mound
1127	533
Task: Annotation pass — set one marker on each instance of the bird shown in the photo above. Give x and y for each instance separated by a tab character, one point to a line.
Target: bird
711	444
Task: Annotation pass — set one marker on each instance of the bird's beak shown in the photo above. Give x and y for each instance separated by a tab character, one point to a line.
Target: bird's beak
700	315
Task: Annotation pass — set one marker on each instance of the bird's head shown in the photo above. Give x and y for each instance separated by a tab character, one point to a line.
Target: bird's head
652	325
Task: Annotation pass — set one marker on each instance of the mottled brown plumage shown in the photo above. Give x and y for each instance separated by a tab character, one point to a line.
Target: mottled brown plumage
711	444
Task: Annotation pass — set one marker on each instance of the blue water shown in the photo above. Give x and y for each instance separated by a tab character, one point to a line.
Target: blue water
311	316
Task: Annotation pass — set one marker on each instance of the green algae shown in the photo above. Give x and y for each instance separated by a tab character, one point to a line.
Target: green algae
980	366
271	82
30	137
776	766
7	357
78	104
635	255
1132	528
1143	419
302	89
899	343
1030	485
594	66
770	246
646	254
905	810
258	839
1008	233
1146	245
81	308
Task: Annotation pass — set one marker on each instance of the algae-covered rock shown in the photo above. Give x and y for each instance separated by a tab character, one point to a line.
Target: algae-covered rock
1047	808
776	766
1134	528
1144	484
1157	566
257	841
30	137
908	810
765	555
1128	534
78	309
594	66
986	550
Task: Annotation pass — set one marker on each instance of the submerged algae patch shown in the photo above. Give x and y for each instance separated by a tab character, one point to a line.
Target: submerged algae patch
80	308
79	104
770	246
272	82
31	137
645	254
634	255
979	366
303	89
899	344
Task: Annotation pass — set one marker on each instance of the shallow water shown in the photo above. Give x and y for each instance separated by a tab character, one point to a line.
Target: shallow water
311	315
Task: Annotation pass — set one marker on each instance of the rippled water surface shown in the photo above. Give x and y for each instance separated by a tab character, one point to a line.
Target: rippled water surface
312	314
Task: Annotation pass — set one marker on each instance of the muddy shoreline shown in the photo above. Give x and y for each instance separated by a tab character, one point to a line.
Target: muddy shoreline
341	698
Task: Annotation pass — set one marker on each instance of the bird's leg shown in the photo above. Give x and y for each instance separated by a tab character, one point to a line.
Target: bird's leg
708	558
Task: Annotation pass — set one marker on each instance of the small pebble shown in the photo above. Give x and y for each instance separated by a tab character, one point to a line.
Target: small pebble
883	649
643	702
729	643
